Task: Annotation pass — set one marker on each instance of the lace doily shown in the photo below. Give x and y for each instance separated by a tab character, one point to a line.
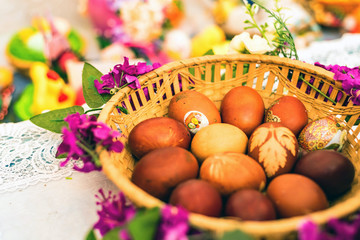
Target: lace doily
342	51
27	156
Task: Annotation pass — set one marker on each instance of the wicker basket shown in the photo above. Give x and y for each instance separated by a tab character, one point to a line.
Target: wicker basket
214	76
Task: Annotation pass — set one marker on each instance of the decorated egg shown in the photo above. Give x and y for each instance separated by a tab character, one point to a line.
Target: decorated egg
229	172
194	109
324	133
275	147
290	111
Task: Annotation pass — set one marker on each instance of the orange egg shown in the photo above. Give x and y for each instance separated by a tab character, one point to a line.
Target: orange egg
244	108
194	109
290	111
296	195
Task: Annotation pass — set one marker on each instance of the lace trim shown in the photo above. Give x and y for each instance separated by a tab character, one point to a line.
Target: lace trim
27	156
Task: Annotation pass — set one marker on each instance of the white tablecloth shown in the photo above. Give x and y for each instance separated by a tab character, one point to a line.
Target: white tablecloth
38	199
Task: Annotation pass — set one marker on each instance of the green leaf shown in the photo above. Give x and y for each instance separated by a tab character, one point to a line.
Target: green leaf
145	224
236	234
122	109
333	146
209	52
113	234
92	98
91	235
64	155
54	120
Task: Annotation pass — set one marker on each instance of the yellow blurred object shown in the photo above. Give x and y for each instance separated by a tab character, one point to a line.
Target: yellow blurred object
6	77
50	90
206	40
26	33
222	10
41	23
221	48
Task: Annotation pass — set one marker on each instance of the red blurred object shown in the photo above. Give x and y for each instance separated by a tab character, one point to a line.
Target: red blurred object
80	100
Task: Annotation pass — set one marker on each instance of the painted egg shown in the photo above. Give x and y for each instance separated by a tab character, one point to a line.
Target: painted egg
194	109
290	111
324	133
275	147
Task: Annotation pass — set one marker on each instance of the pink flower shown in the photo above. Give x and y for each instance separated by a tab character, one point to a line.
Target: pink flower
349	78
115	212
174	224
335	229
81	138
123	75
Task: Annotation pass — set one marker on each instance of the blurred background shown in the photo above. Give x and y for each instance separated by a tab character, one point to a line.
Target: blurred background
44	44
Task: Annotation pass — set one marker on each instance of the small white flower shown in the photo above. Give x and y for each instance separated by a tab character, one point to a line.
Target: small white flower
243	43
237	43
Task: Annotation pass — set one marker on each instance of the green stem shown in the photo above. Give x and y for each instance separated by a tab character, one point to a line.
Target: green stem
93	110
320	92
91	152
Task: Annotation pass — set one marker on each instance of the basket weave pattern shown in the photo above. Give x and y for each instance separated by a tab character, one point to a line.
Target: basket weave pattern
214	76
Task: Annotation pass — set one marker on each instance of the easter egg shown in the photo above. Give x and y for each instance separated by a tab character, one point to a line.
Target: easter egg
296	195
275	147
324	133
244	108
194	109
290	111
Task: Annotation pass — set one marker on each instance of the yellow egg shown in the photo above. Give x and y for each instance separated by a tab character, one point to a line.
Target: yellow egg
218	138
6	77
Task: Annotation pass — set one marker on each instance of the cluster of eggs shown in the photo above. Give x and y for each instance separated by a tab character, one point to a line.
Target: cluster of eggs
243	161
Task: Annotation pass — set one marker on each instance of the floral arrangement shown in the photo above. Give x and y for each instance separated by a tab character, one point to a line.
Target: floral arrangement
137	27
83	135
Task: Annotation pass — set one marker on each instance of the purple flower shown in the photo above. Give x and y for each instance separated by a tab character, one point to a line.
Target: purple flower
355	96
123	75
107	83
308	231
343	230
174	224
81	138
115	212
349	78
335	229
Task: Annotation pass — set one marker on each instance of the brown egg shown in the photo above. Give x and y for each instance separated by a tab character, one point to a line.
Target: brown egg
290	111
159	171
194	109
218	138
229	172
250	205
244	108
296	195
157	132
330	169
275	147
197	196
